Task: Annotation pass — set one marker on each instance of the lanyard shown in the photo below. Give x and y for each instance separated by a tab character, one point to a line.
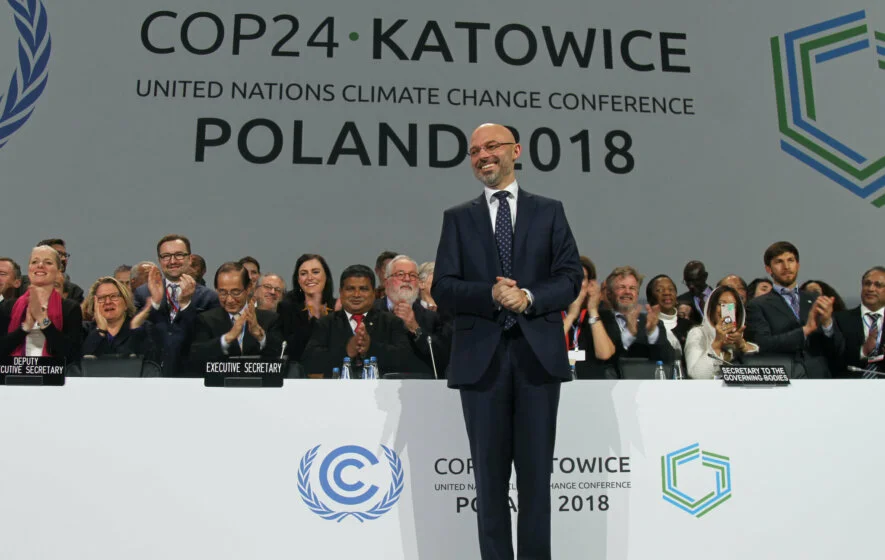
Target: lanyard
576	331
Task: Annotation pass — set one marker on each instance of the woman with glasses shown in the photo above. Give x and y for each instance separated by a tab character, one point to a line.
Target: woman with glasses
116	328
310	299
40	322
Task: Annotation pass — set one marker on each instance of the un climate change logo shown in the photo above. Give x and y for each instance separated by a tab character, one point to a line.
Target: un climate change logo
337	479
720	465
29	79
795	57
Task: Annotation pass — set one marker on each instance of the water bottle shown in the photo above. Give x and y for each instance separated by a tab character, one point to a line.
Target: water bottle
345	369
375	369
659	371
677	371
370	370
336	373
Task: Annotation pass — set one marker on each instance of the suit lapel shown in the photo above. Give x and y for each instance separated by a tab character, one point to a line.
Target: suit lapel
525	215
806	300
778	303
479	211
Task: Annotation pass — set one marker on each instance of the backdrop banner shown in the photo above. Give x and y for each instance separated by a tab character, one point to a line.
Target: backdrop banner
156	468
671	130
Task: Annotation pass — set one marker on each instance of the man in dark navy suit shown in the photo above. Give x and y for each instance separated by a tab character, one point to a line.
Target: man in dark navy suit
795	325
862	327
176	300
506	267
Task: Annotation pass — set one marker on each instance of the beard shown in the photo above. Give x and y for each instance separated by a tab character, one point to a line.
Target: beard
493	179
404	293
624	308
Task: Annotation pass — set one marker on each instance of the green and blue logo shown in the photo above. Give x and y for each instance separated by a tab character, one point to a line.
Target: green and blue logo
808	133
719	479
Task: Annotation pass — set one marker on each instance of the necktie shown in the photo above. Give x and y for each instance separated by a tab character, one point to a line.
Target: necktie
358	317
172	296
504	240
794	300
233	319
874	324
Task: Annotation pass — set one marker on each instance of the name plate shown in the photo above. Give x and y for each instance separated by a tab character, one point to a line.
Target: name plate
755	375
32	370
245	371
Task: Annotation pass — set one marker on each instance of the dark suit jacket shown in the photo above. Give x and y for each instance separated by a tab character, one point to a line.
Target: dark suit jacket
297	326
850	324
326	348
772	325
545	261
439	330
126	342
659	351
61	344
171	339
213	324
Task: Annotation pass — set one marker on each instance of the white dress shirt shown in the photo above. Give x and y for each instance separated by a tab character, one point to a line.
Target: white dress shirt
513	190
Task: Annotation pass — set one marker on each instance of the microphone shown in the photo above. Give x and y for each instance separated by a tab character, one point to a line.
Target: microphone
432	359
720	360
283	351
867	373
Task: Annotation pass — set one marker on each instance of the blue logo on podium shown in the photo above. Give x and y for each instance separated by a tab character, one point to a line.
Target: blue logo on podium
354	495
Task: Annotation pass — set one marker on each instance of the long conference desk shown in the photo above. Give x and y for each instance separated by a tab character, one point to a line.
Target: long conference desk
167	468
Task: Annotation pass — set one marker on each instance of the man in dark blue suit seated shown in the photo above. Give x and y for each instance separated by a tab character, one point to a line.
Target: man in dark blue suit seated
358	331
506	267
236	328
642	335
401	299
176	300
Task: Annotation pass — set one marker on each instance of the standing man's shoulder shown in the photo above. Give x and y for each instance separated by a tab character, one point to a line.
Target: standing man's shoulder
464	206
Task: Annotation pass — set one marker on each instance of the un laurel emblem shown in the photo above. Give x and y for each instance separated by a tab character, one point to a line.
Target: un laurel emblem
30	77
351	495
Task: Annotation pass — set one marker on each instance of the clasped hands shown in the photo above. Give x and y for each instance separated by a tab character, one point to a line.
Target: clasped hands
38	304
509	295
359	343
651	318
248	318
820	315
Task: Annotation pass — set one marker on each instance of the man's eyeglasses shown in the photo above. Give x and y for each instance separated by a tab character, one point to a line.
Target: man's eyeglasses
224	294
489	147
273	289
871	284
112	297
402	276
176	256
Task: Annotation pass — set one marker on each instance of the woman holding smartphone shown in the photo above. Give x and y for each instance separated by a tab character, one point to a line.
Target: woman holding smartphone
40	322
721	334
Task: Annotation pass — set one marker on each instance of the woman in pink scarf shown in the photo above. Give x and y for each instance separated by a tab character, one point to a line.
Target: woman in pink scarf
40	322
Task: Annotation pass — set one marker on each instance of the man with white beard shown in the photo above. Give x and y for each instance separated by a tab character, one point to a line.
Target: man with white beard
401	299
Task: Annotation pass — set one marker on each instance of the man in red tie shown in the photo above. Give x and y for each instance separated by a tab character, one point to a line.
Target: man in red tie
358	331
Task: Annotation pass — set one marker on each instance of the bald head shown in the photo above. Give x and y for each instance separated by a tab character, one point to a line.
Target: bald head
493	149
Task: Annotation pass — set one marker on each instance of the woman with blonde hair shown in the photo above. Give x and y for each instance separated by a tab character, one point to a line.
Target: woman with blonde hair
40	322
116	328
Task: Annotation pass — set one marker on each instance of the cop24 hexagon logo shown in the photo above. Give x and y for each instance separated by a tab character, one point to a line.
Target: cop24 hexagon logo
717	482
339	481
29	79
812	123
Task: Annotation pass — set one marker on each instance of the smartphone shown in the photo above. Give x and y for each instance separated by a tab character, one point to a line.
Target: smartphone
727	312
